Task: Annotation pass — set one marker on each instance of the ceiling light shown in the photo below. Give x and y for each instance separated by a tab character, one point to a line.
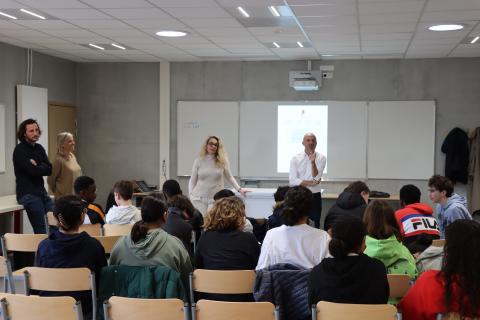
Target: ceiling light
474	40
171	33
274	11
446	27
243	12
33	14
300	44
95	46
119	47
7	15
276	45
328	55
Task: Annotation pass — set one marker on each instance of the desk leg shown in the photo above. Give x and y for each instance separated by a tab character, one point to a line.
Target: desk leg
17	221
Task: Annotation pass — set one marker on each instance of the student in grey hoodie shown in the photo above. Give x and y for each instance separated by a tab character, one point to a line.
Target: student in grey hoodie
124	212
450	206
149	245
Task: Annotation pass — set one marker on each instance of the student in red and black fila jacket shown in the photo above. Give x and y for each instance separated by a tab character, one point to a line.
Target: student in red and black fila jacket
415	218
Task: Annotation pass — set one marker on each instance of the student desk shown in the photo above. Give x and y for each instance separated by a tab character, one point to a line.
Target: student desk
9	205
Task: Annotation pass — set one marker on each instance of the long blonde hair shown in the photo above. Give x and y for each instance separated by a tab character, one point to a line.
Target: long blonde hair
61	138
221	158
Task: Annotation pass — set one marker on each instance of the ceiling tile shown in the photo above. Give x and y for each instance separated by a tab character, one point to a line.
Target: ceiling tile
387	36
70	33
323	10
9	25
45	24
118	3
246	3
59	4
387	28
184	3
8	4
449	16
208	23
208	32
167	23
328	20
389	18
213	12
127	32
448	5
141	13
66	14
100	23
390	7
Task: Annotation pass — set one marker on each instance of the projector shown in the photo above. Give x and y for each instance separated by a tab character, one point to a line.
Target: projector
305	80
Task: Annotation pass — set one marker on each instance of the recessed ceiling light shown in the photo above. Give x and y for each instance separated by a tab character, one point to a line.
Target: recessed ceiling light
474	40
95	46
118	46
446	27
171	33
243	12
300	44
274	11
33	14
7	15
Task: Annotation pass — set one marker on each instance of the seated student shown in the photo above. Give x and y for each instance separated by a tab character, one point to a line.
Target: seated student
352	201
223	245
86	190
383	240
427	256
415	218
225	193
171	189
275	219
350	276
295	242
456	287
149	245
124	212
180	211
450	206
67	248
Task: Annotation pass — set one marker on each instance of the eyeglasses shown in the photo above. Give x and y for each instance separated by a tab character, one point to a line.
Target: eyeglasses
211	144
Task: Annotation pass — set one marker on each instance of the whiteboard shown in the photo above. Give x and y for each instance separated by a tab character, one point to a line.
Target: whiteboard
196	120
401	139
347	130
3	134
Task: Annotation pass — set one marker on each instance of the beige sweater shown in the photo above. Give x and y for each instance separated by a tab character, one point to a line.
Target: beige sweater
207	178
64	172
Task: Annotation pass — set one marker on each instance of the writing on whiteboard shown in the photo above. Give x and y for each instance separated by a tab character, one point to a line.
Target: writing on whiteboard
191	125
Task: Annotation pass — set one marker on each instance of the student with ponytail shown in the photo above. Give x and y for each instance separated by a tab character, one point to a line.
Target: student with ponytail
69	248
295	242
149	245
350	276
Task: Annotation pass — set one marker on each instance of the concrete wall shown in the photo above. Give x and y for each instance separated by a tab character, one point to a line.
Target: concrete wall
118	123
453	83
57	75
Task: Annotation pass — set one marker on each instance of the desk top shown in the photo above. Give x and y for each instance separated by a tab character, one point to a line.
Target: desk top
9	203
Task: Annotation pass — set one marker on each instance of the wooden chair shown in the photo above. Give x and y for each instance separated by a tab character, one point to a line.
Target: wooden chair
61	279
220	281
91	229
50	221
399	284
438	242
21	307
343	311
108	242
117	229
217	310
120	308
6	274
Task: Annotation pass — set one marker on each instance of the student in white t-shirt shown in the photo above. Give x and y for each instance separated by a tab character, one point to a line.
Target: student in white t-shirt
295	242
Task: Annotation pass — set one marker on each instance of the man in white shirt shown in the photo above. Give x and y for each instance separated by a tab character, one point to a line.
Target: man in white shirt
306	169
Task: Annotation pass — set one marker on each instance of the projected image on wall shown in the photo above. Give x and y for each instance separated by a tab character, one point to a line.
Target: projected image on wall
293	122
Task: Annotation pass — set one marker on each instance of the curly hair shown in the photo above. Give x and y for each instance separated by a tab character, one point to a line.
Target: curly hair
226	214
380	221
461	266
297	205
22	128
221	158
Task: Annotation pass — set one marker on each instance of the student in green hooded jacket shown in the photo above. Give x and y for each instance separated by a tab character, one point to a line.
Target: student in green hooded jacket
384	240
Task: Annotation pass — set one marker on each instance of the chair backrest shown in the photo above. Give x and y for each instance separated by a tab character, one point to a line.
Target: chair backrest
120	308
21	242
61	279
223	281
399	284
217	310
21	307
438	242
108	242
117	229
94	230
343	311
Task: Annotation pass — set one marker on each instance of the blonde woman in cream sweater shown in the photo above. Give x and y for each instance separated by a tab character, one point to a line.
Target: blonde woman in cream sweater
207	174
65	168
